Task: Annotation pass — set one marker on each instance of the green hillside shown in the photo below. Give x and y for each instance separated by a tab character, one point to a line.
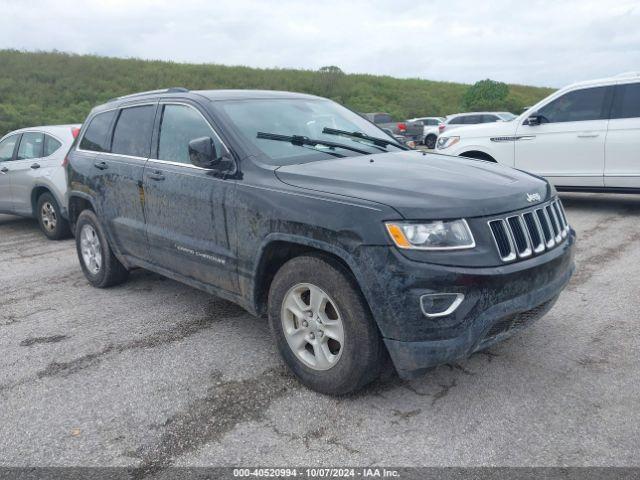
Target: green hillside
39	88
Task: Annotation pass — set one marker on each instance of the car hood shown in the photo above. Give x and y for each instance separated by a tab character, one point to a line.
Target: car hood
421	186
481	129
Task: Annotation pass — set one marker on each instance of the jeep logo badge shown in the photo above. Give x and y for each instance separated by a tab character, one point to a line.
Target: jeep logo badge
533	197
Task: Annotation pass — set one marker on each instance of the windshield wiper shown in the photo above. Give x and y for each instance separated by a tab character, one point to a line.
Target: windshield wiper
302	141
378	142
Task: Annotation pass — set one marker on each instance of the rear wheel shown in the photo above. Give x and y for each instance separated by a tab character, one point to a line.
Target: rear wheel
99	264
322	326
52	224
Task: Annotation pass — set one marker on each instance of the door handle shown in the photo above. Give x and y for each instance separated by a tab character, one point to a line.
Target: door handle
35	166
4	170
158	176
588	135
101	165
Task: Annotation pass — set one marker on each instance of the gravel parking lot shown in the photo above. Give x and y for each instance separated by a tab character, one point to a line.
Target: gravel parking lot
153	373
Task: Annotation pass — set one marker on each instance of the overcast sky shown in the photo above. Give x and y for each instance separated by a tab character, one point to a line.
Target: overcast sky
537	42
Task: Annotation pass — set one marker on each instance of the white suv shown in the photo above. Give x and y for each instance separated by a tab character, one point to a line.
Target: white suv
584	137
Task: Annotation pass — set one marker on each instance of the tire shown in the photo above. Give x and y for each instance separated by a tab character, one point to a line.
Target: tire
52	224
100	266
430	141
349	365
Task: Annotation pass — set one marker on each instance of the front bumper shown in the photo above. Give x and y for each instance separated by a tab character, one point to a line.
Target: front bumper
498	302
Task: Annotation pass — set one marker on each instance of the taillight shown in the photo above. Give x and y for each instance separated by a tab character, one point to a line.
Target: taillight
75	131
65	162
402	127
441	127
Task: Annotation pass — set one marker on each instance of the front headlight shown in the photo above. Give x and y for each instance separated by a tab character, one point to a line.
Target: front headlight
446	142
436	235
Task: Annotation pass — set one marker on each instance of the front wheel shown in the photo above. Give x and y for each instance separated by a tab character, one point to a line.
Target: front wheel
99	264
430	141
322	326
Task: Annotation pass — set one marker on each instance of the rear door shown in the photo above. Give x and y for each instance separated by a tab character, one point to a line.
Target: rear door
622	150
185	205
568	146
7	149
30	152
121	194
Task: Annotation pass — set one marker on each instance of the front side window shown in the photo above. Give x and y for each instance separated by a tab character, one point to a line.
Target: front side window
95	137
626	102
179	125
576	106
50	145
490	118
7	146
31	146
132	135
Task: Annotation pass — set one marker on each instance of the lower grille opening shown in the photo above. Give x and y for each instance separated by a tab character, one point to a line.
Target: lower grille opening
518	320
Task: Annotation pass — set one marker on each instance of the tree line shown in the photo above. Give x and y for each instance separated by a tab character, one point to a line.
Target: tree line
44	88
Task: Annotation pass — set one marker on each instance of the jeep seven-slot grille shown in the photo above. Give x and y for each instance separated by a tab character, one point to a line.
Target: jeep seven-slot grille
531	232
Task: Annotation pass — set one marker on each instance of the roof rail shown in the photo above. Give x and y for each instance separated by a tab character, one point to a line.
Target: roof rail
150	92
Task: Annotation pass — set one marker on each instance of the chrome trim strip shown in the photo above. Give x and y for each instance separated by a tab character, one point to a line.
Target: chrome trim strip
178	164
554	219
452	308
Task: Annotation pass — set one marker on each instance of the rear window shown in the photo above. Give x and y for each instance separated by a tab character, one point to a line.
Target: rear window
132	135
626	103
95	137
382	118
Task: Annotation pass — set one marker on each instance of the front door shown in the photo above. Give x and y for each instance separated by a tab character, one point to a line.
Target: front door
7	149
185	204
567	147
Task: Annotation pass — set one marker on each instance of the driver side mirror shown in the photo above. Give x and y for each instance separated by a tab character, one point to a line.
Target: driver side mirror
202	153
534	119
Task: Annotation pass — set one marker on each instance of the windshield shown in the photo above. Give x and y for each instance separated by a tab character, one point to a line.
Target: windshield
304	117
506	116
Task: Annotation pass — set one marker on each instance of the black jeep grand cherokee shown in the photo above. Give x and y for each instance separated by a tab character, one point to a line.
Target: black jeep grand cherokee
294	206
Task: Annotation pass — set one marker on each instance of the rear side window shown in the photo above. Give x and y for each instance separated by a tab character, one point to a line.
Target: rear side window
95	137
181	124
31	146
457	121
7	146
577	106
626	101
50	145
132	135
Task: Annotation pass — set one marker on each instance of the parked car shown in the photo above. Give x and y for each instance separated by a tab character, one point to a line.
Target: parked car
411	131
430	130
583	137
32	176
269	199
473	118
